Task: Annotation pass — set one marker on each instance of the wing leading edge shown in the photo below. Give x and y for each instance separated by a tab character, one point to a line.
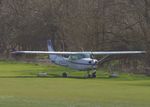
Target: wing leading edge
86	52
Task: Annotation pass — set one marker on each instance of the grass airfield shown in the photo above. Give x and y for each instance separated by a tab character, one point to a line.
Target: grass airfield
20	87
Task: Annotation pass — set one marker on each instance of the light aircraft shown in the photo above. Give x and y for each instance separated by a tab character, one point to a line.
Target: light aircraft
77	60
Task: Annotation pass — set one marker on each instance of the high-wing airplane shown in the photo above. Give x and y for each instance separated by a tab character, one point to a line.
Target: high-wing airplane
77	60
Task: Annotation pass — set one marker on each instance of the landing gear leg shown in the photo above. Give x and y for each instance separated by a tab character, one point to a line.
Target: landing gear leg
94	74
91	74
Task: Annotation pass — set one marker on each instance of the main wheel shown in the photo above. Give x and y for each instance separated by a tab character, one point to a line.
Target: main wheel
94	75
89	75
64	75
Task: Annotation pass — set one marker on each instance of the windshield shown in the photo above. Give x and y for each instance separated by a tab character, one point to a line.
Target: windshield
79	56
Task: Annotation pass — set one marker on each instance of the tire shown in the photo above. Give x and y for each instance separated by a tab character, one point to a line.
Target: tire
64	75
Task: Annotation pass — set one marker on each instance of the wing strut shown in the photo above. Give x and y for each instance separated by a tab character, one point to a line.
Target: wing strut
103	59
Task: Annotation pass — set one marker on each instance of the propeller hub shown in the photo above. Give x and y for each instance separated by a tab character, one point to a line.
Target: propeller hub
93	62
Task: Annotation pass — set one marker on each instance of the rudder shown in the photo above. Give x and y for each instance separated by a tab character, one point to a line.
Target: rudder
50	47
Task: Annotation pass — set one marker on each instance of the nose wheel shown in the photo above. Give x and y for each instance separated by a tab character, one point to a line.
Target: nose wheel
65	75
92	74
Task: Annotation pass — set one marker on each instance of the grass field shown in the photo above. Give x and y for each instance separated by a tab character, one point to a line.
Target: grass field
20	87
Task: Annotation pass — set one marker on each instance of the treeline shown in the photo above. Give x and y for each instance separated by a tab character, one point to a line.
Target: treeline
75	25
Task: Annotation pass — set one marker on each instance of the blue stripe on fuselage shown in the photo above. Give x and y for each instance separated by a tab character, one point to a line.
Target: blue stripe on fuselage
80	63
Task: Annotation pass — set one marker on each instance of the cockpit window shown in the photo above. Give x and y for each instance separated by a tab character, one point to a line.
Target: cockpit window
78	56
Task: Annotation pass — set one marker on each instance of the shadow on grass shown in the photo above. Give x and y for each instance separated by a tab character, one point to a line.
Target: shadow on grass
18	76
76	77
54	76
59	76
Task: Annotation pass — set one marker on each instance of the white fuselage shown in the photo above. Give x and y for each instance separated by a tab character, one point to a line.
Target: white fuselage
76	62
82	64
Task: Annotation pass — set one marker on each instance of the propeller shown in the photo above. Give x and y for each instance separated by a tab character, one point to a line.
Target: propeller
93	60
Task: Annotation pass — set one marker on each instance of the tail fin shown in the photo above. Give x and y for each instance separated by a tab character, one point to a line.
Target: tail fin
57	59
50	47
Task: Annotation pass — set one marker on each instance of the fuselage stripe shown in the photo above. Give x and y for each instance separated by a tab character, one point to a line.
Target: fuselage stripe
80	63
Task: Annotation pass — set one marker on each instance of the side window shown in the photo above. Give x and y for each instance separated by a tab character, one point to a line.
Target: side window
73	57
80	56
76	57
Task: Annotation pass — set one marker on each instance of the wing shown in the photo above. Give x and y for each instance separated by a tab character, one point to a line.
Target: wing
118	52
74	53
45	52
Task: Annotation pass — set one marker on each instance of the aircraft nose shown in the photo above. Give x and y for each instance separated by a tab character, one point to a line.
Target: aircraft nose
96	61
